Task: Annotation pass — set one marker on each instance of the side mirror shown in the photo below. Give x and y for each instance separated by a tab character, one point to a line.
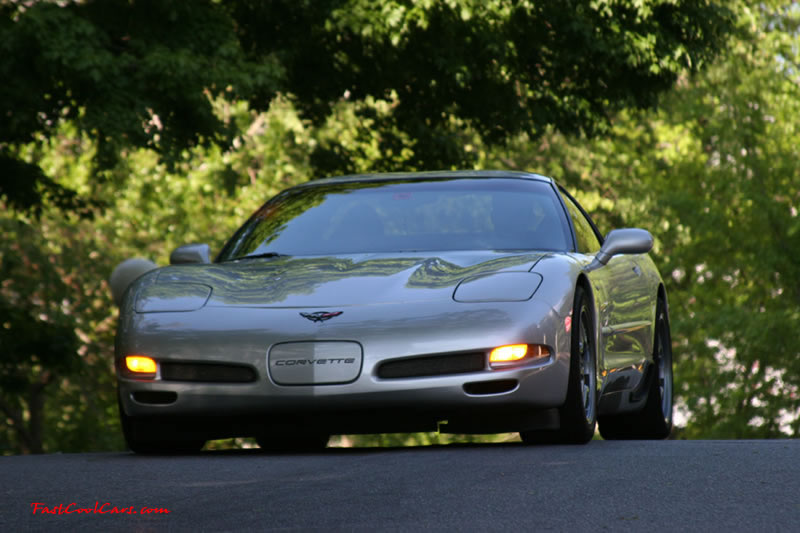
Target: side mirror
622	241
190	254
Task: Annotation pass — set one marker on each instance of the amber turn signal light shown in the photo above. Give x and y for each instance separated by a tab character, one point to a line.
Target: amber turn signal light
139	364
515	353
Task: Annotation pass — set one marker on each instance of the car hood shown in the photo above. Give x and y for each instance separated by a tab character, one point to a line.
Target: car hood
330	281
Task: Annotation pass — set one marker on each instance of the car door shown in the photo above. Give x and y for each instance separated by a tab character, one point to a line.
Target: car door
622	304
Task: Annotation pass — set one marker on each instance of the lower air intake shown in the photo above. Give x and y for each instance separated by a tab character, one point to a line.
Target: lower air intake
207	372
433	365
154	397
497	386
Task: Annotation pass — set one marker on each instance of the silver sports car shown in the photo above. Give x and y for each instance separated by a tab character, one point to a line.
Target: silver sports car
464	302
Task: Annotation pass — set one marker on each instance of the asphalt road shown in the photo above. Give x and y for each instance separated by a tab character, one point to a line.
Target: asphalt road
603	486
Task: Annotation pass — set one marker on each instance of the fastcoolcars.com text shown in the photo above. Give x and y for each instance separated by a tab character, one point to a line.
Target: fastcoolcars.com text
98	508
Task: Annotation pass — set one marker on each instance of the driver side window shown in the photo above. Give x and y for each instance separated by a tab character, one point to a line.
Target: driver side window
588	243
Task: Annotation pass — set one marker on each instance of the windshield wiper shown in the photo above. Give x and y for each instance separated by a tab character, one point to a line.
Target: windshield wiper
265	255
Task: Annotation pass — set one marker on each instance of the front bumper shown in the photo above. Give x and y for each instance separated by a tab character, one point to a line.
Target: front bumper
490	400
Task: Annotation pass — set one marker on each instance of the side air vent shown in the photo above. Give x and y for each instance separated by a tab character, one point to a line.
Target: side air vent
433	365
207	372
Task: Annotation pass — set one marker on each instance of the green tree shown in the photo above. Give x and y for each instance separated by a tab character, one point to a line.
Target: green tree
57	320
731	188
713	174
152	118
39	341
144	74
129	74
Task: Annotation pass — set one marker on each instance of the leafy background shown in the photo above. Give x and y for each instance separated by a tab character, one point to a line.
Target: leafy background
129	128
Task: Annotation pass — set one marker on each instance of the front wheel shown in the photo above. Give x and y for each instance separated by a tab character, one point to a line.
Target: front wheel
578	415
654	421
155	437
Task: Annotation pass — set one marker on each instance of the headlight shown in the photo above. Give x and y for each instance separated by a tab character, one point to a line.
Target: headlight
498	287
172	297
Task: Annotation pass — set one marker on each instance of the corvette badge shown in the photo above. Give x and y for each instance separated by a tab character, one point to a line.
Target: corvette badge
320	316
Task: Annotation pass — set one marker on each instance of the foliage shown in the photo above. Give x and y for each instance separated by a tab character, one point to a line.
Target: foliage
130	74
497	68
146	73
732	192
169	127
38	338
712	172
57	318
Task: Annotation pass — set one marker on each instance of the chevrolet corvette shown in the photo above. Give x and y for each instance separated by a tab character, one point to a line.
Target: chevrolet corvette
461	302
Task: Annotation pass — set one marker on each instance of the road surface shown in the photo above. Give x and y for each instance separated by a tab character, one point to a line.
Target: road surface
603	486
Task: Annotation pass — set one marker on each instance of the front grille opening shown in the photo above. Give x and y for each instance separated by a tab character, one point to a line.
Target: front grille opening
208	372
433	365
497	386
154	397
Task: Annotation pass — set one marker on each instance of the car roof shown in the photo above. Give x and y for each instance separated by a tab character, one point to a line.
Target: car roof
440	174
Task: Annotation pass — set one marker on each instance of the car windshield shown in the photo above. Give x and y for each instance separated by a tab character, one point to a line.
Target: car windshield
405	216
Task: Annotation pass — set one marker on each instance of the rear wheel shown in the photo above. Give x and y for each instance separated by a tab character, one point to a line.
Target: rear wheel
156	437
654	421
578	415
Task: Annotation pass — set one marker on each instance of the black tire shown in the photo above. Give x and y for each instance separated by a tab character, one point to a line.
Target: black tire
156	437
578	415
292	443
654	421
